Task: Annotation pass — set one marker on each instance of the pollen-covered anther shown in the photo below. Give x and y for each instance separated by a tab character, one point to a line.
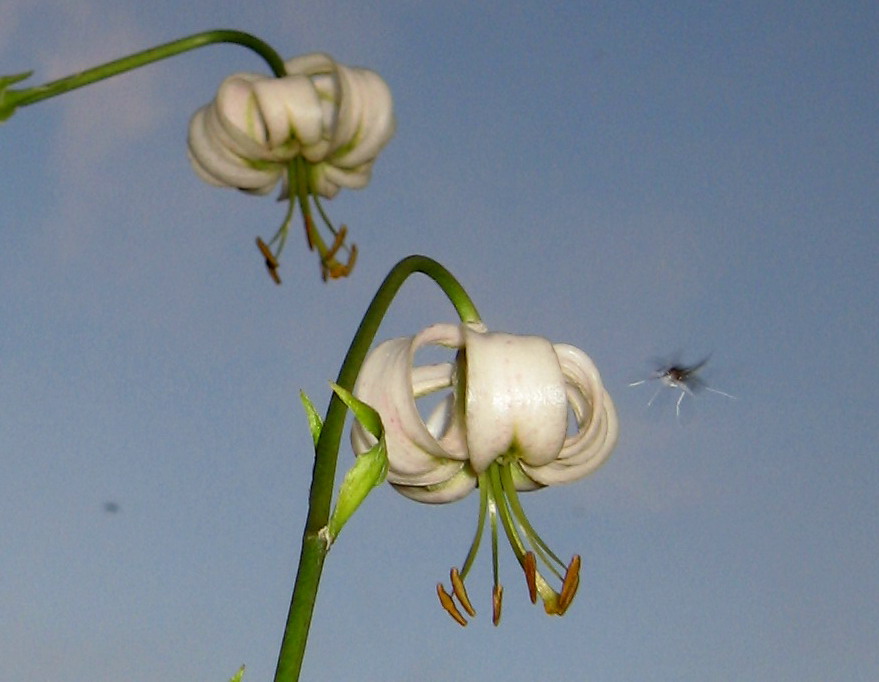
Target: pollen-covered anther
449	605
461	592
497	596
338	240
570	585
271	262
332	268
529	565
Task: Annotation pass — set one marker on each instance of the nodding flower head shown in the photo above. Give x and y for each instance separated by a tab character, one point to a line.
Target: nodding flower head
315	130
502	427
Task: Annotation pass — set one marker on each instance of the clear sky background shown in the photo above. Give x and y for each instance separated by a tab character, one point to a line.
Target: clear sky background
635	178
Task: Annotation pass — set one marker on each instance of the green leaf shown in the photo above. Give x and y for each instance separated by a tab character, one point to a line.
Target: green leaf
6	81
368	472
237	676
367	416
9	100
315	424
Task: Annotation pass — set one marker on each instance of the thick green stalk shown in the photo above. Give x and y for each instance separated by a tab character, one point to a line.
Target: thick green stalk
314	549
19	98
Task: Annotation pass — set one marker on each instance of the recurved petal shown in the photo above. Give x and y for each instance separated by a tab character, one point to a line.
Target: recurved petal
310	64
290	109
349	106
238	124
321	184
596	417
389	384
354	178
452	489
422	468
366	119
217	165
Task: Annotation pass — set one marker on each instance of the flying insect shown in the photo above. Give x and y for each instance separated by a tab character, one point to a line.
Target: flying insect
684	378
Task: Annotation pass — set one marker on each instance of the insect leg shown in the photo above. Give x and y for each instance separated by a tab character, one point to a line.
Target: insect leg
684	392
714	390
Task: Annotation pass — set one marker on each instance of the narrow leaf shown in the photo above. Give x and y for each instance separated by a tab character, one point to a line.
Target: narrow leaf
315	424
367	416
369	471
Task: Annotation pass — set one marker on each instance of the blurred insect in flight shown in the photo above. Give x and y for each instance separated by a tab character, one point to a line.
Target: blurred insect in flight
684	378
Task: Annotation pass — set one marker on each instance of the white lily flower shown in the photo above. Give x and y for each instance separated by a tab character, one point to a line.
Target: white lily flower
317	129
503	428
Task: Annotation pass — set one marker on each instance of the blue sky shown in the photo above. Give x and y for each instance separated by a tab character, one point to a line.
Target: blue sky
637	180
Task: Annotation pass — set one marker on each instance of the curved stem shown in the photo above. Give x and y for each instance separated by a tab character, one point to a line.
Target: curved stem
20	98
314	549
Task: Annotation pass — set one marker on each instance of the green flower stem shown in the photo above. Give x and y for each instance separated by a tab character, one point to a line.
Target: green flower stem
540	547
503	509
20	98
314	549
480	526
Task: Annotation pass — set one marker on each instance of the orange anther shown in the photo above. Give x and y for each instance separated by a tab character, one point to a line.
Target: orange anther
271	262
570	584
529	565
497	596
334	269
449	605
461	592
338	240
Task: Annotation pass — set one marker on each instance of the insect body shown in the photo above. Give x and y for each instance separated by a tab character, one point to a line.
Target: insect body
684	378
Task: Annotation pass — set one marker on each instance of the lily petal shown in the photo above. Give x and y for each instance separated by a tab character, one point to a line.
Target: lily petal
338	118
597	423
388	383
515	399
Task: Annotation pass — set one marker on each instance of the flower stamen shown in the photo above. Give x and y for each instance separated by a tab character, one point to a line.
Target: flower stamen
300	191
497	596
271	262
547	556
461	592
332	268
530	568
457	577
309	231
449	605
570	584
272	258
